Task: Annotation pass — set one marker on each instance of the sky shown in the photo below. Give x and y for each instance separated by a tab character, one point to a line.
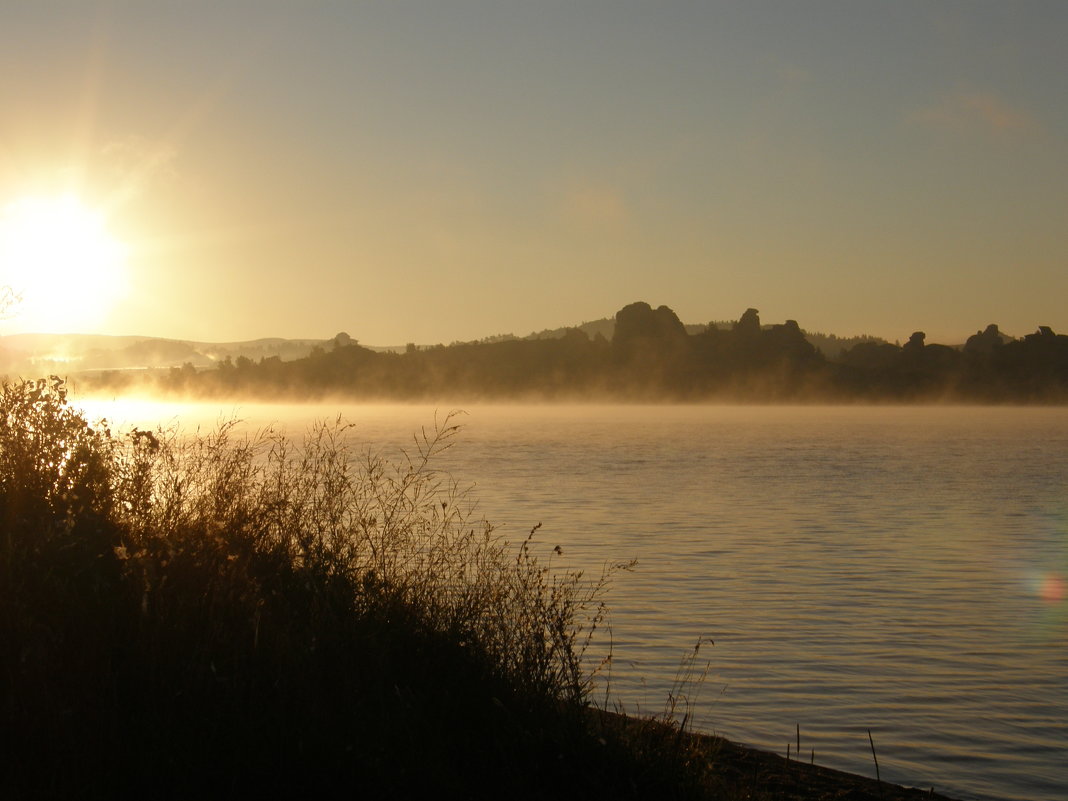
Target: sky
450	170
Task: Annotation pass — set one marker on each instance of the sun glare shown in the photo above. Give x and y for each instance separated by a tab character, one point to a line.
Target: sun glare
63	267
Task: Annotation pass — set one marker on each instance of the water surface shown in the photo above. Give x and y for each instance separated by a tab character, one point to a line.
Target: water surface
893	569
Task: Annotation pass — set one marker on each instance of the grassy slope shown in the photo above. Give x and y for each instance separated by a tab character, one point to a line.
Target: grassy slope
228	617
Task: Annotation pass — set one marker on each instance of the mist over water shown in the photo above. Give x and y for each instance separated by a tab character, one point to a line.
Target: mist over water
898	569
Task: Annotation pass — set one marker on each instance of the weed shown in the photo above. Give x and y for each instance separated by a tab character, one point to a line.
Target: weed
224	614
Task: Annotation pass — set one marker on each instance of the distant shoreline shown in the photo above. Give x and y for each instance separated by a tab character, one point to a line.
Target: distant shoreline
647	356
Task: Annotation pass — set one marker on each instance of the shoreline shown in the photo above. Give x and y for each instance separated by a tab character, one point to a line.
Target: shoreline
741	771
802	780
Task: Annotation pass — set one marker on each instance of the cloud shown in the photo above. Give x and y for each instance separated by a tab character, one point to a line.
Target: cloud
976	111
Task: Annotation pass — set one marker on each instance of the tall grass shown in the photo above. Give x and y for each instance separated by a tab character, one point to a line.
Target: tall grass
229	614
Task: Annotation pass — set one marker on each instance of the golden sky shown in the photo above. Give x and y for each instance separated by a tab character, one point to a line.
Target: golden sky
439	171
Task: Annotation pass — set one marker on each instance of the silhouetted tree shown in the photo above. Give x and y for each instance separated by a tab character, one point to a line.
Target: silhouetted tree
638	326
747	329
915	343
651	349
871	356
786	343
984	342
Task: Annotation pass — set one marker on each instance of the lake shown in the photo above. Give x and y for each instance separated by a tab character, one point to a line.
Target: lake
895	569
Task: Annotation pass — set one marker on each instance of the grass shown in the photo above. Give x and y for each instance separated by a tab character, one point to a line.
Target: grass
228	615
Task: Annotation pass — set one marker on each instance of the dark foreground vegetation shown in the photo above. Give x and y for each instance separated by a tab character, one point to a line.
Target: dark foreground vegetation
250	617
651	356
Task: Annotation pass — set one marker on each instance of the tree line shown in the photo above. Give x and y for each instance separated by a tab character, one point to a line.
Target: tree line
650	357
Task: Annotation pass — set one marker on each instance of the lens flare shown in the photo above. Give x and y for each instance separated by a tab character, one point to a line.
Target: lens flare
1052	588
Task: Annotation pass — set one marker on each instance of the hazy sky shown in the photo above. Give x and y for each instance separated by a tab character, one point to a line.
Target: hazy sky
446	170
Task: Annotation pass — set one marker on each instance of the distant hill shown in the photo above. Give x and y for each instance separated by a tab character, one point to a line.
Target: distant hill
604	327
63	354
37	354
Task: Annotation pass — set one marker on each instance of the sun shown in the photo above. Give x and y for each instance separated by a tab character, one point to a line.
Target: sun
59	264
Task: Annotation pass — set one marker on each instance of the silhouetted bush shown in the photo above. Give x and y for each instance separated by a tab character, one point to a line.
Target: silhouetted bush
225	615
